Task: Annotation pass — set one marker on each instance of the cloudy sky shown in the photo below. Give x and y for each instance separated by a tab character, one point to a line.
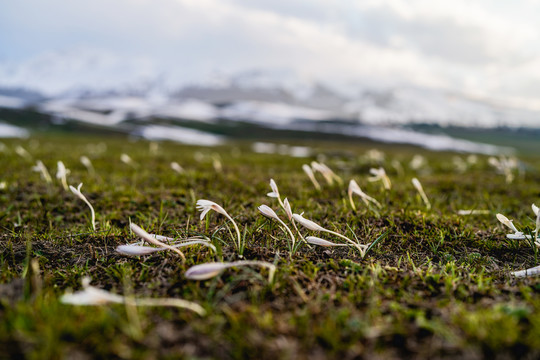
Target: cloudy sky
480	47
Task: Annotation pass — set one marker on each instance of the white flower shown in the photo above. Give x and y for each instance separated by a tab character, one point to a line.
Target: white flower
77	191
40	167
380	175
176	167
505	221
210	270
416	183
205	271
374	155
326	172
355	189
126	159
62	173
87	164
94	297
524	273
417	162
206	205
152	240
311	176
268	212
19	150
216	163
91	296
308	224
321	242
275	190
505	166
473	212
287	208
460	164
315	227
137	250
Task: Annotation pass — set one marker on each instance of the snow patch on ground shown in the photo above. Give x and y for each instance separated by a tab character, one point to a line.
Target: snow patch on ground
179	134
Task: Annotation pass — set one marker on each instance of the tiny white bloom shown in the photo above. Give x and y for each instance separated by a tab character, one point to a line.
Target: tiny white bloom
19	150
176	167
505	221
473	212
216	163
308	224
309	172
416	183
355	189
313	240
210	270
315	227
62	174
93	296
206	205
524	273
380	175
152	240
40	167
275	190
287	208
138	250
268	212
87	164
417	162
126	159
326	172
77	191
205	271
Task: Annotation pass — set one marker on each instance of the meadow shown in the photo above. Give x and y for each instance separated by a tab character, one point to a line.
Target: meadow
434	282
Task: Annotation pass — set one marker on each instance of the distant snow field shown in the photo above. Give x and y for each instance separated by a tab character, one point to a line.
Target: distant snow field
11	131
179	134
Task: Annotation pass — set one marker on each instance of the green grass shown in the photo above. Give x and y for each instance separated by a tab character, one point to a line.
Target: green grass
436	286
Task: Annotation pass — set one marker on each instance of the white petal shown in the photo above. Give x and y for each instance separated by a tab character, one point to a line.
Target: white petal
91	296
321	242
205	271
204	212
287	207
274	187
267	211
307	223
135	250
504	220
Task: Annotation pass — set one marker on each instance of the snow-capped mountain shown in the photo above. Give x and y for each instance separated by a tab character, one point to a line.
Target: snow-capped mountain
102	90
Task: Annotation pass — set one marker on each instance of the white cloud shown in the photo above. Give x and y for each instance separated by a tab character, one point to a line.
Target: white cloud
483	47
